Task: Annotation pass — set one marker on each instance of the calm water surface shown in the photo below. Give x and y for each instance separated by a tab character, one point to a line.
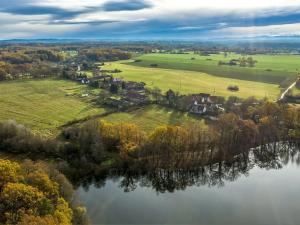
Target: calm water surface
267	193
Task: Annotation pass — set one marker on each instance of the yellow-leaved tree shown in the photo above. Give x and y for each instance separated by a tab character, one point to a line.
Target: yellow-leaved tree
29	196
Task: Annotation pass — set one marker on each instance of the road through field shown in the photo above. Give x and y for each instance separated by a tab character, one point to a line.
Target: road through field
287	90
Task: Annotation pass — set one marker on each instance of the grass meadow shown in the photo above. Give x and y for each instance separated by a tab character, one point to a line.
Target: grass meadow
47	104
274	69
44	105
187	82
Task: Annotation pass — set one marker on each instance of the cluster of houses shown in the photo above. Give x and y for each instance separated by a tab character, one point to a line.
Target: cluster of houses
203	104
126	94
79	64
131	93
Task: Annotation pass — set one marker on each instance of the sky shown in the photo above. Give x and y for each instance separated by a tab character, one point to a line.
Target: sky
149	19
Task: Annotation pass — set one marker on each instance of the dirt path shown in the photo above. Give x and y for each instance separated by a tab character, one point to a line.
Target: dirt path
286	91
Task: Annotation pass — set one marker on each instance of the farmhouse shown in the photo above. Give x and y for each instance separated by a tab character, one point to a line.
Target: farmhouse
200	98
198	108
202	104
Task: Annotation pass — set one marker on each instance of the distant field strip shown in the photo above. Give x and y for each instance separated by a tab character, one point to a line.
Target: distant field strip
187	82
273	69
44	105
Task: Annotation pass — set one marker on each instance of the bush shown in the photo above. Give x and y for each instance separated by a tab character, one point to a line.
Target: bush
233	88
154	65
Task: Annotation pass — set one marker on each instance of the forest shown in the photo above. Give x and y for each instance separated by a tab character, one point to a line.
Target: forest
37	62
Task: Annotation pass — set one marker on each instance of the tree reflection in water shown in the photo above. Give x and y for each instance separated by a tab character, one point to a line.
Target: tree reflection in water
216	172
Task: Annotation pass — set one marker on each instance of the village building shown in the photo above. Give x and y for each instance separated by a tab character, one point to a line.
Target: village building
198	108
201	104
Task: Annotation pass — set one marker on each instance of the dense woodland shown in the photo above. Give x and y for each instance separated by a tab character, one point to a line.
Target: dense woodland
31	62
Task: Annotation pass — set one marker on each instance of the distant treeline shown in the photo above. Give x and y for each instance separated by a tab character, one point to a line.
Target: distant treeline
45	62
103	55
242	62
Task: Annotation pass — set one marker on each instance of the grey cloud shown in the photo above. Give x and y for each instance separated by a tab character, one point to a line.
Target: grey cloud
131	5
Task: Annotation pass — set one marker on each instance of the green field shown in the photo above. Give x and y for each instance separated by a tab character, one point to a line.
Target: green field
44	105
152	116
274	69
187	82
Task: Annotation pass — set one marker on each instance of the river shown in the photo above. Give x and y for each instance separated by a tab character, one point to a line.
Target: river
261	190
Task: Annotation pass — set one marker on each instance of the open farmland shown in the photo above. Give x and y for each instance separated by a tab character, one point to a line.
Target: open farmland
44	105
187	82
274	69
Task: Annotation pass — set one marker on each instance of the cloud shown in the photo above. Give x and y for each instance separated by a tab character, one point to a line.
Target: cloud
190	28
148	18
35	30
131	5
257	31
32	26
11	19
75	5
41	10
15	3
